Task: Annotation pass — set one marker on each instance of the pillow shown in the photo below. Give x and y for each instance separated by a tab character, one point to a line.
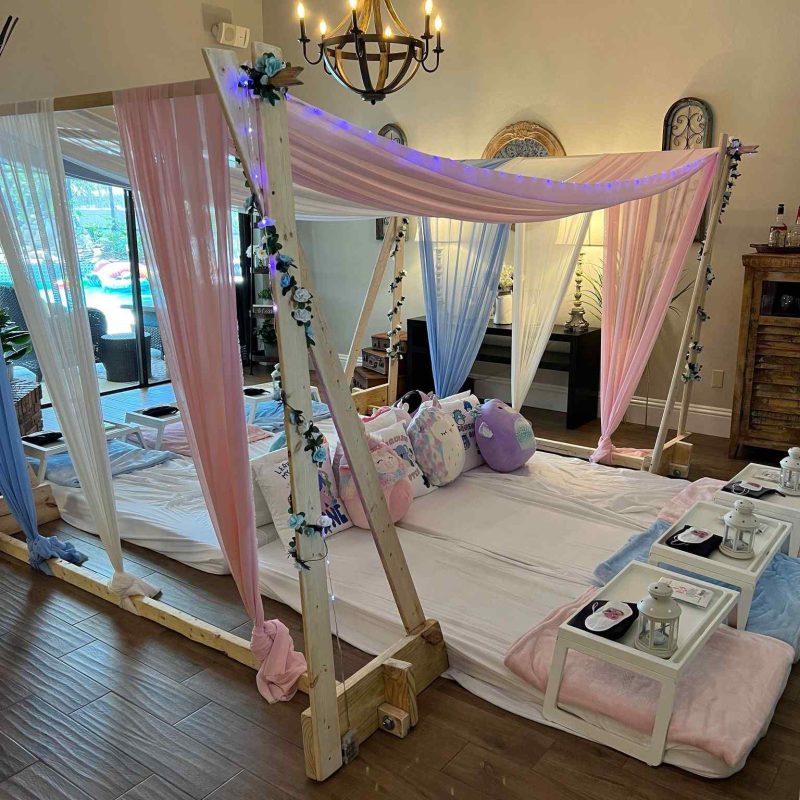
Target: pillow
384	419
272	475
399	413
393	478
412	400
505	437
464	410
437	445
397	438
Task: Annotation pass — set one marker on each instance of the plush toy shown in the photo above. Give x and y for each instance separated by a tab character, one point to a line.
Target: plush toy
394	480
412	400
504	436
437	444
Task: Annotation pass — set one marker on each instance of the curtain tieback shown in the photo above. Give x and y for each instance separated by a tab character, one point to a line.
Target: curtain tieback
126	585
42	548
281	664
604	449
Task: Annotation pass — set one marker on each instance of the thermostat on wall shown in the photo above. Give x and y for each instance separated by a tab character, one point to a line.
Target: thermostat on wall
231	35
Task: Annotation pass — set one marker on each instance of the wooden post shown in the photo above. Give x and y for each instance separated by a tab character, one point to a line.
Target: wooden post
321	736
693	322
397	316
369	298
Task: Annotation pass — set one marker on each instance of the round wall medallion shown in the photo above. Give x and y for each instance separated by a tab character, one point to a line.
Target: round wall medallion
523	140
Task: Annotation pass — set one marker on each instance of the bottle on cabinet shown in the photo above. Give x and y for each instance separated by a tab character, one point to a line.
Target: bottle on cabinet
793	237
777	231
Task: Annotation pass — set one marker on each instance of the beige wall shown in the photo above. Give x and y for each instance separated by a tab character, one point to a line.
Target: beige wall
63	47
601	75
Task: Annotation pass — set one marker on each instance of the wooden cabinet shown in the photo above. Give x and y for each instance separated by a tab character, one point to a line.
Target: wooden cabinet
766	400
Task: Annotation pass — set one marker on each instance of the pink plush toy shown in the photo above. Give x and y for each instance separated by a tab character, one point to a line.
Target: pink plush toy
505	438
394	480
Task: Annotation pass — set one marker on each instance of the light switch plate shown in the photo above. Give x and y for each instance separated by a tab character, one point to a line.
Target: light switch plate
717	378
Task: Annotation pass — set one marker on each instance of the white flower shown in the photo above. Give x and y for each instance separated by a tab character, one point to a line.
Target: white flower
302	315
301	295
324	521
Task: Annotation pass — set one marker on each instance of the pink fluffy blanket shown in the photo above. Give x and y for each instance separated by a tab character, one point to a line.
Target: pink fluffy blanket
724	699
696	492
174	438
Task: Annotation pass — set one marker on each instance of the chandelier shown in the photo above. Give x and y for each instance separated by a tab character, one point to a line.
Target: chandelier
378	62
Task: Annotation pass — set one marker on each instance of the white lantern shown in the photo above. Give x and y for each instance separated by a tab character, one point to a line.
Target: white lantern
741	527
790	472
276	382
659	615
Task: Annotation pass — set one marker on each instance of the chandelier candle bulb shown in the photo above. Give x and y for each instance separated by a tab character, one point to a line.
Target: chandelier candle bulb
323	28
387	32
301	15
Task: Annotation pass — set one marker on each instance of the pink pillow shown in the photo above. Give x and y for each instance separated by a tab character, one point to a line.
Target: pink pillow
394	481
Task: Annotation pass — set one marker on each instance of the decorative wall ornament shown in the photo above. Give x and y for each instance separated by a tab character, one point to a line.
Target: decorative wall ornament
688	126
523	140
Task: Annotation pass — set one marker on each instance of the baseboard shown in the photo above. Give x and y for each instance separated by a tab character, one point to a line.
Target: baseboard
710	420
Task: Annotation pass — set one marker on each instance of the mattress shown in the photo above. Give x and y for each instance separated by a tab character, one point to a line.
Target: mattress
483	602
162	508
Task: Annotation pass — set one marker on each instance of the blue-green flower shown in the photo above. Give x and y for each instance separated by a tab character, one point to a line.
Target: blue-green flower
272	64
319	455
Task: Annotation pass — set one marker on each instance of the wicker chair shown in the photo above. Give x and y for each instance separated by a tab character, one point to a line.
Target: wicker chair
98	325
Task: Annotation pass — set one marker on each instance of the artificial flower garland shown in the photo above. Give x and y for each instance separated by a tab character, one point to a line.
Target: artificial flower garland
692	370
393	351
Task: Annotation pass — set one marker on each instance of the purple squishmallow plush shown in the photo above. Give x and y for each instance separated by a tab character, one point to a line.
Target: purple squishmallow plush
505	438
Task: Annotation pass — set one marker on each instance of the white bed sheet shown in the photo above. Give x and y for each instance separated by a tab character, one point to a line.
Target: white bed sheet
161	508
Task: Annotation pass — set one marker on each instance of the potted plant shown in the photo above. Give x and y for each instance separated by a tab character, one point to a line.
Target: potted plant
16	342
503	307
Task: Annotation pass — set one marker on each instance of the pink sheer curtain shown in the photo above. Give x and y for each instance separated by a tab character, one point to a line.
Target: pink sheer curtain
646	242
176	149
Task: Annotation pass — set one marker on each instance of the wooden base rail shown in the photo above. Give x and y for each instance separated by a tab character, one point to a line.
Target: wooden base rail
382	694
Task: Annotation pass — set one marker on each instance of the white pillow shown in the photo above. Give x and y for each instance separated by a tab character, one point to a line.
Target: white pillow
382	421
272	475
464	409
397	438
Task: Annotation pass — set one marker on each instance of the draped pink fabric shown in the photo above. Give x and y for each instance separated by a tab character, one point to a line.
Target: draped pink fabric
176	150
336	158
645	247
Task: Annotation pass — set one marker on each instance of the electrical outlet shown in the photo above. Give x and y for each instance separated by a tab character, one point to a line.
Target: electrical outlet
717	378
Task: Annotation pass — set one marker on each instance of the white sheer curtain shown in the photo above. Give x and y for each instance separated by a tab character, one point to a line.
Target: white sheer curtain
545	254
39	244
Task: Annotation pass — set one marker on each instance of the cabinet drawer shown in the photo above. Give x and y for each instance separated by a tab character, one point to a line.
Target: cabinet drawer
789	405
785	391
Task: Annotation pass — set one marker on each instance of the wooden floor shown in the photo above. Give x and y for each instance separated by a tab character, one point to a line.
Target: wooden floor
97	703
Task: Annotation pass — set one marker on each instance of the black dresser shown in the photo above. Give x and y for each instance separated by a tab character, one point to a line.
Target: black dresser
580	360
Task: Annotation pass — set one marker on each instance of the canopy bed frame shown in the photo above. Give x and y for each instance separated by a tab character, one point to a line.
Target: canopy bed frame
384	692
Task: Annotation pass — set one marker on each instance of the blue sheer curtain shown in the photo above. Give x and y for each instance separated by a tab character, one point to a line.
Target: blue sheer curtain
461	264
15	487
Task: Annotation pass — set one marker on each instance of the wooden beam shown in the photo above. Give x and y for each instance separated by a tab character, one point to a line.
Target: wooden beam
397	317
366	399
354	442
369	299
584	452
322	742
365	691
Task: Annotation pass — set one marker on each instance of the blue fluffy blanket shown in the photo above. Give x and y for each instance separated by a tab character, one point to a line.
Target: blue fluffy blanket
269	414
775	610
124	458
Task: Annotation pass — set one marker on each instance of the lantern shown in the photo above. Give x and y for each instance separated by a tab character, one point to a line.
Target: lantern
659	614
741	527
790	472
276	382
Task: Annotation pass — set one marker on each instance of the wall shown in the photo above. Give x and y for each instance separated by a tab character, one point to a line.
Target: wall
63	47
601	76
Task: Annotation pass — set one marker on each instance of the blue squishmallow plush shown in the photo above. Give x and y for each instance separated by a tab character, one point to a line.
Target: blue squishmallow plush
505	438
